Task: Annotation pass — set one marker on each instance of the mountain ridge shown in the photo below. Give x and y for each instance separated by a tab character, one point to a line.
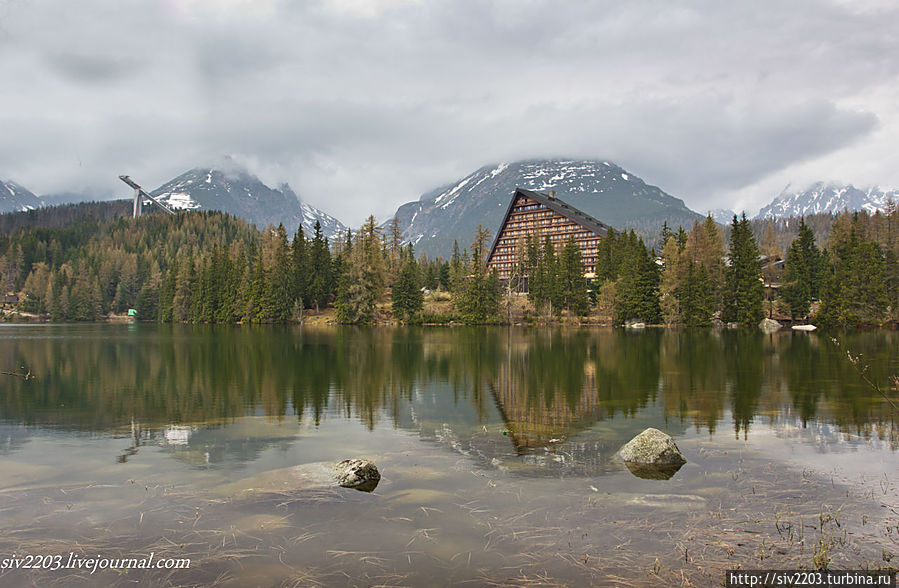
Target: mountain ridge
827	198
601	189
242	194
16	198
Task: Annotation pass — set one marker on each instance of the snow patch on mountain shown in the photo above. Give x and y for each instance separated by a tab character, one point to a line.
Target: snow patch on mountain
600	188
16	198
827	198
722	216
242	194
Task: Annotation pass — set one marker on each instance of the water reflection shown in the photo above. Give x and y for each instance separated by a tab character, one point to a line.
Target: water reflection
562	398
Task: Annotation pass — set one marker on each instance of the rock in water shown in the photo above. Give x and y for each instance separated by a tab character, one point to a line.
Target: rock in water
652	447
769	326
360	474
807	328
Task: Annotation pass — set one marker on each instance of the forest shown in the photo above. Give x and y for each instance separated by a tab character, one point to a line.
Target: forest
86	262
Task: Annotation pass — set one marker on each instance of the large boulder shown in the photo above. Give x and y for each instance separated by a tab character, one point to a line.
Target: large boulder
769	326
360	474
652	447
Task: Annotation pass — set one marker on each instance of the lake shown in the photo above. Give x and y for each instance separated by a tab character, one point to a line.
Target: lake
496	448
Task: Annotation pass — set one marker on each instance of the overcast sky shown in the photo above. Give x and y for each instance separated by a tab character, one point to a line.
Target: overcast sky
362	105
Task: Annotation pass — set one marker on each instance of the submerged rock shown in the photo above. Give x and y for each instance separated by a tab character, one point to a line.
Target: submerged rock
653	448
769	326
360	474
652	472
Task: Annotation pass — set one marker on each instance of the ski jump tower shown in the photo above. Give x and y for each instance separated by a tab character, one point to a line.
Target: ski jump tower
138	201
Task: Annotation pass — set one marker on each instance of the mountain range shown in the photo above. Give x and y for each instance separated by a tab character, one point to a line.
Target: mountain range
822	198
242	194
452	212
15	198
599	188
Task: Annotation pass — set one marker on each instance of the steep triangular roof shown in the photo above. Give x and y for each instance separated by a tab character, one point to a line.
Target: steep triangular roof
556	205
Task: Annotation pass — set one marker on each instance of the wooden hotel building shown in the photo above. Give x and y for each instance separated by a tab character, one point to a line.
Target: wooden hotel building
544	215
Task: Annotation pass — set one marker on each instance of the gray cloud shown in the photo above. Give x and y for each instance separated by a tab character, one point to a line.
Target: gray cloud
362	105
92	68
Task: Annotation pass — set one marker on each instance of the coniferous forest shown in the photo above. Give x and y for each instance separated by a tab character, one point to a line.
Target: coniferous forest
84	262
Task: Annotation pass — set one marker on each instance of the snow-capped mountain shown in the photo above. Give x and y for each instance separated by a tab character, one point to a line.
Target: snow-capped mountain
15	198
239	193
722	216
821	198
599	188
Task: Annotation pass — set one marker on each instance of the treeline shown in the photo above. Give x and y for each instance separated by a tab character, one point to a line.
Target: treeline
694	280
209	267
65	215
851	280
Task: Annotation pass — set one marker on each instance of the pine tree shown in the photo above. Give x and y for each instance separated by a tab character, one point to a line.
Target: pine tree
443	276
394	247
253	310
167	297
744	291
456	270
278	298
854	290
547	290
361	284
300	267
321	283
607	257
697	297
666	234
481	294
637	288
803	273
573	285
407	296
185	286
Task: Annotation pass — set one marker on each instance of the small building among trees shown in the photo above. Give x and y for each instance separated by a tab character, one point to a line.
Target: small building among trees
545	217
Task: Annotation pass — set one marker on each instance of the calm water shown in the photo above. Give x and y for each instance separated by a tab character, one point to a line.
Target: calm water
496	448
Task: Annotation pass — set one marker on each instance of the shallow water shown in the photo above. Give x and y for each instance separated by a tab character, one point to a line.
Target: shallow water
496	448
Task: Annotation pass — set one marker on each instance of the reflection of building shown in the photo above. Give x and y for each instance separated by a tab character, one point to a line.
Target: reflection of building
534	418
544	215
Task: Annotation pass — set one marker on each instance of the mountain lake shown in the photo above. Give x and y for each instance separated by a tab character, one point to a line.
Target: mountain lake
496	446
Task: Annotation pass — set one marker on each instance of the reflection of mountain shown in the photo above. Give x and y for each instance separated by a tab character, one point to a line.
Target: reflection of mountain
593	390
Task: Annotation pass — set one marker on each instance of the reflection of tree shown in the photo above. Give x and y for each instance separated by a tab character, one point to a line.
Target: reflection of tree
627	370
801	362
694	376
545	386
547	383
743	353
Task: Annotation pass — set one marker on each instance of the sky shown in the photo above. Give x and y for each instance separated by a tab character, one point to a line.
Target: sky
362	105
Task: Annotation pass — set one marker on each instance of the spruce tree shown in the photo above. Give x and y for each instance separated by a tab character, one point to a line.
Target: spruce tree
743	291
479	302
671	282
854	290
573	285
278	298
697	297
802	281
637	289
407	296
300	267
320	283
456	270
